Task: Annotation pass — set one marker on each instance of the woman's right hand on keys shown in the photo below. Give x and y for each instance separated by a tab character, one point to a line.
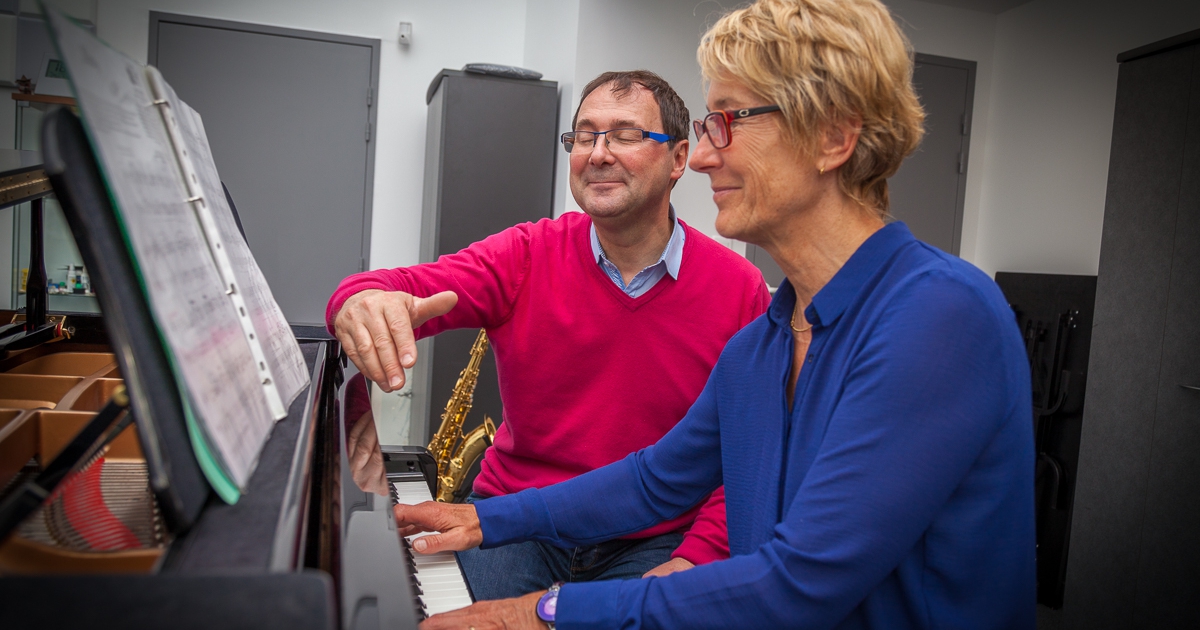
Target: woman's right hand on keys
458	525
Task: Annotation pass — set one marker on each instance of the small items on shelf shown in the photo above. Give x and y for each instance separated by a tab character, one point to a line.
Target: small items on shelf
76	282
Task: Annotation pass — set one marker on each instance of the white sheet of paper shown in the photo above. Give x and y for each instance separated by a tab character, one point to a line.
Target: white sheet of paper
278	343
185	292
168	105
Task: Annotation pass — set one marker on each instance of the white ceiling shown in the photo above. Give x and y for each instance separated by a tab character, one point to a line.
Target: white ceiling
986	6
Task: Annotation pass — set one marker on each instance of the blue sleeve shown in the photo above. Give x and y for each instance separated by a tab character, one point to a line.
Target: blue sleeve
652	485
928	391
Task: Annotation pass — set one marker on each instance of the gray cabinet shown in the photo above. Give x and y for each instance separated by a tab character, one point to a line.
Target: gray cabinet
489	165
1135	552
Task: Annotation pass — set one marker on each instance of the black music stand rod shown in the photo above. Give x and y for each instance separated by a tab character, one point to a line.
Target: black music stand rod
22	179
37	330
36	294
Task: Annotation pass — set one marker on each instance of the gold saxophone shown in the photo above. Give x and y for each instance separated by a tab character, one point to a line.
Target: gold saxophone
455	452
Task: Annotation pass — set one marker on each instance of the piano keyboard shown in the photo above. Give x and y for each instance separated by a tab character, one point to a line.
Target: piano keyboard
438	582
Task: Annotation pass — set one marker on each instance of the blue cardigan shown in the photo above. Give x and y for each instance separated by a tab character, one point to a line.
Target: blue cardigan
897	493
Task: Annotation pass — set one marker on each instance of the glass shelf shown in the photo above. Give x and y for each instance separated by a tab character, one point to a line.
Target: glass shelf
59	243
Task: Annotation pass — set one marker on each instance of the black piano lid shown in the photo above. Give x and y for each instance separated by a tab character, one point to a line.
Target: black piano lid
175	476
296	601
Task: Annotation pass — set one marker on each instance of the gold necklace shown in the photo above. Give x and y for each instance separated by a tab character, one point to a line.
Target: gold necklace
793	325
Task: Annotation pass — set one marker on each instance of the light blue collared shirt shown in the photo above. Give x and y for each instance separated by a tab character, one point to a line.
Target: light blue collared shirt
645	279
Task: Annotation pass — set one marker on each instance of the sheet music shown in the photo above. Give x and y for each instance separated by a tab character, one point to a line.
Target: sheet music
209	352
279	345
216	248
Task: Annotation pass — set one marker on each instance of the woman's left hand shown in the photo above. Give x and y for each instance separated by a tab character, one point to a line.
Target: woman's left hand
670	566
509	614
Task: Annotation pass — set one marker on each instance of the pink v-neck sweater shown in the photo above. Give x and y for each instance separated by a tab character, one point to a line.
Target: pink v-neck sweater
587	374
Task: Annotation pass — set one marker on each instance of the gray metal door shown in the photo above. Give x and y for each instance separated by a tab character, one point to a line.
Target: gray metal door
928	191
288	114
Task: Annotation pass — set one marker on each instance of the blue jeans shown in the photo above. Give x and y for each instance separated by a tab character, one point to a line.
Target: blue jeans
521	568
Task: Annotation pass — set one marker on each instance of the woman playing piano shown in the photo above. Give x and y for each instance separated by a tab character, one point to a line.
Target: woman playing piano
872	430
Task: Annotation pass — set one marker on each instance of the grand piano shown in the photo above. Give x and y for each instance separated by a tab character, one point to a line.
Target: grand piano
304	547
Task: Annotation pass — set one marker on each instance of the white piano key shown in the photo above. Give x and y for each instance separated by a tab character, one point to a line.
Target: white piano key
446	593
434	558
446	563
439	576
436	606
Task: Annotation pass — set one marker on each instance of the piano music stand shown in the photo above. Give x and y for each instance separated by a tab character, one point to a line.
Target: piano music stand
232	208
175	475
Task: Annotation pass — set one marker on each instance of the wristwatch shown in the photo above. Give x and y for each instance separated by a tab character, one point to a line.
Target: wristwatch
548	605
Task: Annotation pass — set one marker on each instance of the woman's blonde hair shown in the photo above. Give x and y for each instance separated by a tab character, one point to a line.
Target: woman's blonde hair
825	61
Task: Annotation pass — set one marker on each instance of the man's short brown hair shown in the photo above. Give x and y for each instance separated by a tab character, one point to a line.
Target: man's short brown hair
671	109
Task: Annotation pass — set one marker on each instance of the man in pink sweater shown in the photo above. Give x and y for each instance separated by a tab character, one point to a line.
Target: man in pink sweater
605	326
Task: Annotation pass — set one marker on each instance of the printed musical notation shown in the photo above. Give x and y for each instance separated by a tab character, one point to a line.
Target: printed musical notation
275	336
218	369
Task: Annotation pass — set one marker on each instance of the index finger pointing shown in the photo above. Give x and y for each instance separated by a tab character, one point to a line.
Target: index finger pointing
403	353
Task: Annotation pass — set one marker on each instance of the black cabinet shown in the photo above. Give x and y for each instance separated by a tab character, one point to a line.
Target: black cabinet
1054	314
1135	539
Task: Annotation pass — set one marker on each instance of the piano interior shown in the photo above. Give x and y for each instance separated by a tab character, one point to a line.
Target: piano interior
316	550
103	518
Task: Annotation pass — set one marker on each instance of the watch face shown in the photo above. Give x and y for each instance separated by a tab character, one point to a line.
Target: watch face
547	606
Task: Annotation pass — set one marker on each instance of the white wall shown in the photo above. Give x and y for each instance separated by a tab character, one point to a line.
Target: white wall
1045	88
81	9
8	117
660	36
551	29
1053	92
962	34
1044	95
8	65
446	34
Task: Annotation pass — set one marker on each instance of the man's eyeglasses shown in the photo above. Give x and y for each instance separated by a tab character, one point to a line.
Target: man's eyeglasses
716	124
614	139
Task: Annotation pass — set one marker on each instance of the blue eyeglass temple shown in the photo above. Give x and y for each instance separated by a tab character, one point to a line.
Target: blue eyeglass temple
655	136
